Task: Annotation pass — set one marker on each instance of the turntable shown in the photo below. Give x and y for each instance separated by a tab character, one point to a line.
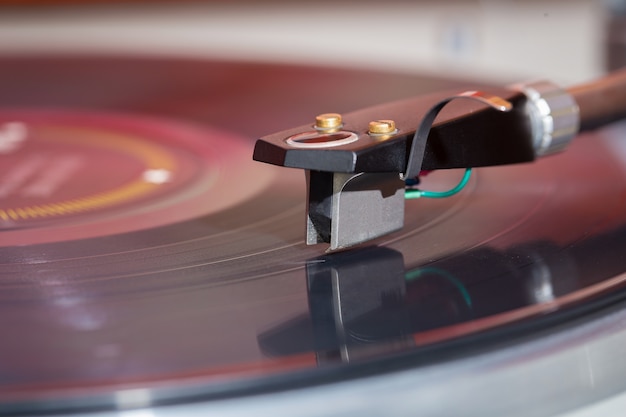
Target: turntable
150	267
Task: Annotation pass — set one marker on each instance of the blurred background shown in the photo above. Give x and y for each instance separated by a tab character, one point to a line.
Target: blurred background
489	40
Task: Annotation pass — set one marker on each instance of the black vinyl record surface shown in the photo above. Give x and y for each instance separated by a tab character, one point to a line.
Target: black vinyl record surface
142	248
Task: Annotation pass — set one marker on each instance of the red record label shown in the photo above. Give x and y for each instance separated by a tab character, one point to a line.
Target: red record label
68	175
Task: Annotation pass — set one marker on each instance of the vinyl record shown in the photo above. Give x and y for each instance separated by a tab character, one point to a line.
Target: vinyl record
145	259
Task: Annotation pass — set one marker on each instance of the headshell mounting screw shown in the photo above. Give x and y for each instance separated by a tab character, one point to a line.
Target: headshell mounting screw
328	122
382	127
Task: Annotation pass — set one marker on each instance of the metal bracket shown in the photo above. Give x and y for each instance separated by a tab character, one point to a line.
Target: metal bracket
347	209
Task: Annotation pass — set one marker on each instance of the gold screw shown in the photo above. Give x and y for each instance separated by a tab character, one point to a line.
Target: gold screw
382	127
328	122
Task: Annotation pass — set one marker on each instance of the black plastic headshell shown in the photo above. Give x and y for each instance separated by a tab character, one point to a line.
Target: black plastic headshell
465	135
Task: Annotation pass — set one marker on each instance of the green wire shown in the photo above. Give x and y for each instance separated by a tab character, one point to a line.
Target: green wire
412	193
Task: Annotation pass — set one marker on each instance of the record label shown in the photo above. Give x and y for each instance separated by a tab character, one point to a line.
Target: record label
91	170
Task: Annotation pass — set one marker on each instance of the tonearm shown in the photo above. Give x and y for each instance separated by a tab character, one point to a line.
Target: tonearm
359	165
